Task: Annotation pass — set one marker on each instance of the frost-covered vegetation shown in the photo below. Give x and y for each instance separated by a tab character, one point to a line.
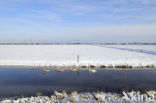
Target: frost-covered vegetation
88	97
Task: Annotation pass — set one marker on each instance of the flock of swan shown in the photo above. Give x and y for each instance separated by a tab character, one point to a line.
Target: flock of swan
91	70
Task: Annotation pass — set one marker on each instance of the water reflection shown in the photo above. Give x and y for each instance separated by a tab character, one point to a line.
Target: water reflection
17	81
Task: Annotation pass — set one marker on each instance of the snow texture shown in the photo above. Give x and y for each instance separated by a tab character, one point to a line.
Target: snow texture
66	55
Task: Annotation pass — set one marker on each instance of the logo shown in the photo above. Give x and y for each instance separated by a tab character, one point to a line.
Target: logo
138	97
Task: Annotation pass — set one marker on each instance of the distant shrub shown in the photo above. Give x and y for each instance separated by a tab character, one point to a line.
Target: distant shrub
129	66
110	66
123	66
92	66
83	66
102	66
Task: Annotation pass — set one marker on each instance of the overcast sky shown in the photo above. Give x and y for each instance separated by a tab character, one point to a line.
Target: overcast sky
77	21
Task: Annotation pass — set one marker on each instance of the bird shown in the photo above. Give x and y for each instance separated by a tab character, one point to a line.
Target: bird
73	69
60	70
91	70
46	70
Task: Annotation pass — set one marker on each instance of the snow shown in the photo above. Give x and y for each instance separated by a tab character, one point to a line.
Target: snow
143	47
66	55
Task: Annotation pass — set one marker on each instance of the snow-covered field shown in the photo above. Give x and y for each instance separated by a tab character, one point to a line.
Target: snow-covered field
143	47
66	55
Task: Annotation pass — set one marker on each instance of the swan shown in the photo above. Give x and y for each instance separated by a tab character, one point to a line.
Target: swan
73	69
46	70
60	70
91	70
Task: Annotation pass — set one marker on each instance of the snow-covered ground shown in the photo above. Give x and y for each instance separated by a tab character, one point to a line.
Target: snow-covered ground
143	47
135	48
66	55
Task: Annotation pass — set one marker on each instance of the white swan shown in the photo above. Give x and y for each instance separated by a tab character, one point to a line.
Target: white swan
60	70
46	70
91	70
73	69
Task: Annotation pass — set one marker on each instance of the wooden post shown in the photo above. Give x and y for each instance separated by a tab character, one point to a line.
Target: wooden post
78	58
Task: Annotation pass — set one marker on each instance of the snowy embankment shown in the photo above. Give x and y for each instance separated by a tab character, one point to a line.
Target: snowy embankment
141	47
94	97
66	55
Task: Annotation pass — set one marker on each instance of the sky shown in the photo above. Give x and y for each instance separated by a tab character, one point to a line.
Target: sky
78	21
